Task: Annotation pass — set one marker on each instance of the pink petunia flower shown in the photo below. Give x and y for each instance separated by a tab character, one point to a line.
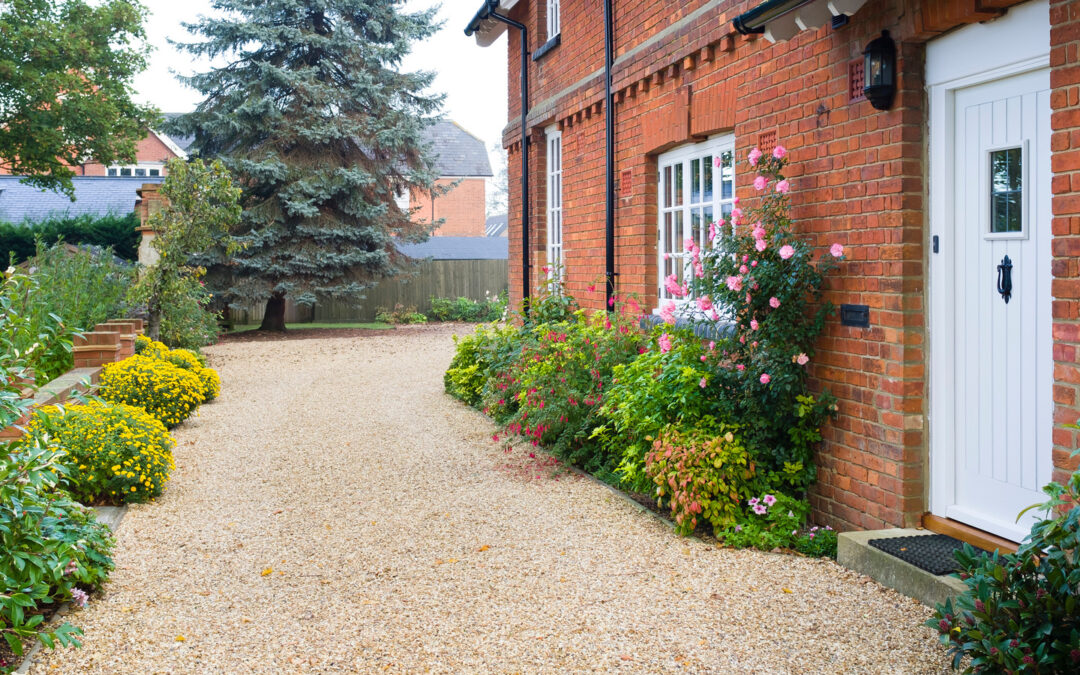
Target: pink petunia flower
774	302
837	250
783	187
765	379
786	251
760	182
769	499
754	156
753	501
779	152
761	509
665	343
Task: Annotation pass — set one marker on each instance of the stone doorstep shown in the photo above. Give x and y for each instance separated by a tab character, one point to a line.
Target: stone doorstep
856	554
111	516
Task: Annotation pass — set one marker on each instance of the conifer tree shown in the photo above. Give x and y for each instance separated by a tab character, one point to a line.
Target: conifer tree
319	125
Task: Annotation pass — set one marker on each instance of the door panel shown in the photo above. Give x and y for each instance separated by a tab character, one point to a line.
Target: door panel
1001	350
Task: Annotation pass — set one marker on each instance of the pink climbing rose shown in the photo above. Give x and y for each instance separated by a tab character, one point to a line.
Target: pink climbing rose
740	367
802	359
743	269
760	182
734	283
665	343
754	157
760	245
673	287
667	312
837	250
702	383
765	379
779	152
774	302
786	251
704	303
783	186
754	324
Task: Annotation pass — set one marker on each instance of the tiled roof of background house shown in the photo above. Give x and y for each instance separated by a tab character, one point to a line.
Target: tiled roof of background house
459	152
94	195
459	248
183	141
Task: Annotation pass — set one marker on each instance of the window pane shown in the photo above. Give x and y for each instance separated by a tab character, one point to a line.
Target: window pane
727	176
665	188
695	181
695	225
707	219
125	172
1006	191
155	172
678	184
707	177
140	172
112	171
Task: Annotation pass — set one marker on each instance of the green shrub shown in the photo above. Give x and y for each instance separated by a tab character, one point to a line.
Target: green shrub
115	232
82	287
778	521
34	344
54	548
399	315
1021	611
168	393
114	453
701	474
464	309
186	321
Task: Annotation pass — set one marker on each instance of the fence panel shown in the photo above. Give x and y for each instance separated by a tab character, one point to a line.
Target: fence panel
435	278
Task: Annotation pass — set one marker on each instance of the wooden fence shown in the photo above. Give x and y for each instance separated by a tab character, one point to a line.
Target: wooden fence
434	279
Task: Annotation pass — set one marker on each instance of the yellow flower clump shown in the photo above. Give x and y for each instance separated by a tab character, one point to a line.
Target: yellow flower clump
190	361
115	453
168	393
144	346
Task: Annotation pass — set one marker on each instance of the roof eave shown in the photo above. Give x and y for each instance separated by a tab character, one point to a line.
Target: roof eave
485	29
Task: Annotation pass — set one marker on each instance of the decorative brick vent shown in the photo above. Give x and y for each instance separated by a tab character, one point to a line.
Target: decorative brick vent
766	141
856	80
625	186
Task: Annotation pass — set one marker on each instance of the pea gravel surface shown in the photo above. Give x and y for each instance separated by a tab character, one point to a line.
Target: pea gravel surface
335	511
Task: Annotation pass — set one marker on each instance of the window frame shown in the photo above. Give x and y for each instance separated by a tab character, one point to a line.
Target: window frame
133	168
554	244
682	202
554	19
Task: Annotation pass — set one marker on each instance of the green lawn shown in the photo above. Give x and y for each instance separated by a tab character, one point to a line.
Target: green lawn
239	328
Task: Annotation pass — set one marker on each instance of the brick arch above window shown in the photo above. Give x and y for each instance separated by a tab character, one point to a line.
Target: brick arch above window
682	116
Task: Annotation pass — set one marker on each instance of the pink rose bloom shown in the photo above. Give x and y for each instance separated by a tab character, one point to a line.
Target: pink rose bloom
688	244
734	283
667	312
774	302
802	359
704	303
736	216
743	269
718	162
760	245
779	152
545	269
742	339
740	367
837	250
699	272
673	286
702	383
667	256
753	263
754	156
758	232
786	251
712	231
745	258
703	358
665	343
765	379
769	500
754	324
591	288
783	186
712	345
714	316
760	182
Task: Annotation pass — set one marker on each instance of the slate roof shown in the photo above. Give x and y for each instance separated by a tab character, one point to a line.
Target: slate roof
94	195
183	141
459	248
459	152
495	226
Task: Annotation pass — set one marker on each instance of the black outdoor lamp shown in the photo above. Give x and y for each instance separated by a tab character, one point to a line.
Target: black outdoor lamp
880	71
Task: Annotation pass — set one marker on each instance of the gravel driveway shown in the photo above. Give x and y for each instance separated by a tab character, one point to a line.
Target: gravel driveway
335	511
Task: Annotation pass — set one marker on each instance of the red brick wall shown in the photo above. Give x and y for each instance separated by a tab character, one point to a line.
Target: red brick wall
858	179
1065	145
149	149
463	208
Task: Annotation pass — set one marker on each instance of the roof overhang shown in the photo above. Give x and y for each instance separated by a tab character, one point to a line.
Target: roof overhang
170	144
485	28
780	20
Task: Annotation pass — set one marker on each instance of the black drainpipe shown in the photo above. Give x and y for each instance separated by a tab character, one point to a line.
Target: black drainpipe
609	130
524	155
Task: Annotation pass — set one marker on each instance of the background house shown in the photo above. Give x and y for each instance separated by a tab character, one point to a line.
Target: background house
462	162
94	196
953	402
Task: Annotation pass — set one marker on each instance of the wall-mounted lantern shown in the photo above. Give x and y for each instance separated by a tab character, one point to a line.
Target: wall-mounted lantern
880	71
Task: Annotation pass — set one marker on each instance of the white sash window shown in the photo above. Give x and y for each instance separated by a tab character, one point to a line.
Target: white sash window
554	200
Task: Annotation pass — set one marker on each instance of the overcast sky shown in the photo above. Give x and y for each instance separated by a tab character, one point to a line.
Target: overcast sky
473	78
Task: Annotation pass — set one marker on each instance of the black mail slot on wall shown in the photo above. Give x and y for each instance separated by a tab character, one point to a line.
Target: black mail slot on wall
855	315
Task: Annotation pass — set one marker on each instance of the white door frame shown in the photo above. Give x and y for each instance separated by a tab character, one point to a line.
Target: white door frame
955	61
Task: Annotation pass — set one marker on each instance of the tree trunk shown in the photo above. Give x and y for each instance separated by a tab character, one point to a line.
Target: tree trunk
274	317
153	324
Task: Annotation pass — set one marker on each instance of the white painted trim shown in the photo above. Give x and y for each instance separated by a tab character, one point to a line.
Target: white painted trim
556	253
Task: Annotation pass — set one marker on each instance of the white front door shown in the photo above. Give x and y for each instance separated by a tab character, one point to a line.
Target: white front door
990	297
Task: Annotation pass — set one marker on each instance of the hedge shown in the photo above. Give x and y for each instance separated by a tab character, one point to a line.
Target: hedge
115	231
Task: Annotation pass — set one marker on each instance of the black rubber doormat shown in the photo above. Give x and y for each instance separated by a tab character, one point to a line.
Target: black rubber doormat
930	552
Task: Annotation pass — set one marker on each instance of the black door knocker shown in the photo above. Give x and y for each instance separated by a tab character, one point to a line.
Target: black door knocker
1004	280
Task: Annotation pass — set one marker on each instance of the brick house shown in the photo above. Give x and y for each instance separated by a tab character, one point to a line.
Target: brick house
463	166
953	402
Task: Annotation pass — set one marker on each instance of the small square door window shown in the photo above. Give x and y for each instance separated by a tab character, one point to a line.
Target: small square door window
1006	191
